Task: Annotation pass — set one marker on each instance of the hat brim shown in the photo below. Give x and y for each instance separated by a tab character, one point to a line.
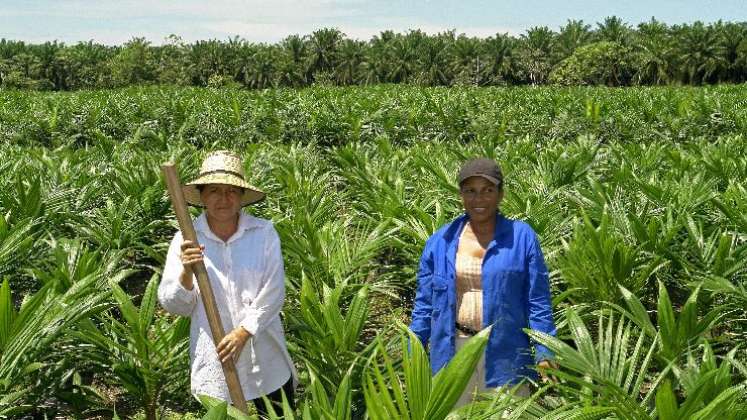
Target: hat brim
192	193
488	177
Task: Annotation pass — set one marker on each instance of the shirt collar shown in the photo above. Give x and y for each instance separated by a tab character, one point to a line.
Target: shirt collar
246	222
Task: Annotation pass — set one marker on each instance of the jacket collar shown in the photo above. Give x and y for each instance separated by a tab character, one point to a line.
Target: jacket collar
451	236
455	228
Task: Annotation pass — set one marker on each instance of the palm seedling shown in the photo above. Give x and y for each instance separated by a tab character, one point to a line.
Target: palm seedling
28	334
328	341
143	352
606	374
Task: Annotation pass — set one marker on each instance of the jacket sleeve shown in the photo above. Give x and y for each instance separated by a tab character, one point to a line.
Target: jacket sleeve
540	301
421	312
173	296
269	301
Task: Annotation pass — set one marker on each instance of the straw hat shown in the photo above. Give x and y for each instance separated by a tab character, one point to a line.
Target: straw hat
222	167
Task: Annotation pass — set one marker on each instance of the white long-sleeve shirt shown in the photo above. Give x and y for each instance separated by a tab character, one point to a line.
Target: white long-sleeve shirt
248	280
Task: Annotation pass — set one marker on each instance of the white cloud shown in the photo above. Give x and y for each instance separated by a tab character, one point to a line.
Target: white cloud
192	9
117	21
271	32
253	31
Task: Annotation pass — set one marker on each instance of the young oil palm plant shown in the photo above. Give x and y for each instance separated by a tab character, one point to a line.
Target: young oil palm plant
597	259
16	242
27	334
611	371
319	405
676	332
119	225
405	390
528	198
337	251
71	260
327	340
139	350
416	394
23	197
375	186
717	253
705	386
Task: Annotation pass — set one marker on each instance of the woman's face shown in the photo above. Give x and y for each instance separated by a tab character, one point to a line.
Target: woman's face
222	201
480	198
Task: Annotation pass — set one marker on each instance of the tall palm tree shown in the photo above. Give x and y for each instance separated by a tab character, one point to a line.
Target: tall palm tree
499	55
324	44
574	34
173	62
209	60
534	54
613	29
702	52
293	65
740	62
133	64
81	64
433	58
259	71
654	52
27	65
733	36
378	65
51	74
352	55
465	60
403	59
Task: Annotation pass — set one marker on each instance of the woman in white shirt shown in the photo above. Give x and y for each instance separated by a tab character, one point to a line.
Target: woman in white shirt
242	256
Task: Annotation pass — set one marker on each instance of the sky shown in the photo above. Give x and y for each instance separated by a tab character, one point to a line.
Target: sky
117	21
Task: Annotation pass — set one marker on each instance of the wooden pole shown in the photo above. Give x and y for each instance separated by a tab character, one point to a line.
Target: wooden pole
206	291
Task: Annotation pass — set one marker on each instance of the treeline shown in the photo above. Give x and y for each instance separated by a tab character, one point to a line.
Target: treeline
611	53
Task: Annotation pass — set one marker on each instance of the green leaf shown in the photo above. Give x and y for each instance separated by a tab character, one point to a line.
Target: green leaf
343	399
666	402
355	318
417	372
667	323
450	382
129	311
148	304
217	412
638	313
722	405
582	338
7	314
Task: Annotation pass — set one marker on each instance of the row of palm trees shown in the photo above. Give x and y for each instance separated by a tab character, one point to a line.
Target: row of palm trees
650	53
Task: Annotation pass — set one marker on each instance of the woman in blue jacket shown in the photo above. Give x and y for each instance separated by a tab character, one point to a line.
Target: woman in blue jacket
479	270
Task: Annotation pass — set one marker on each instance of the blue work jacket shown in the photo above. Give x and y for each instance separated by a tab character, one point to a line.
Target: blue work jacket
516	295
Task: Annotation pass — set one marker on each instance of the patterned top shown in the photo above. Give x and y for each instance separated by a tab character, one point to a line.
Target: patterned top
469	290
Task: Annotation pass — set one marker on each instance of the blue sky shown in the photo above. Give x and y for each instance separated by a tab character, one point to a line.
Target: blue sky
116	21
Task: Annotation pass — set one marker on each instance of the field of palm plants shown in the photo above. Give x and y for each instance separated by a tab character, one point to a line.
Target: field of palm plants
638	196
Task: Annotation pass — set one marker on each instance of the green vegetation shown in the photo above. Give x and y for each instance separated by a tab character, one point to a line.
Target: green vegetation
638	196
653	53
